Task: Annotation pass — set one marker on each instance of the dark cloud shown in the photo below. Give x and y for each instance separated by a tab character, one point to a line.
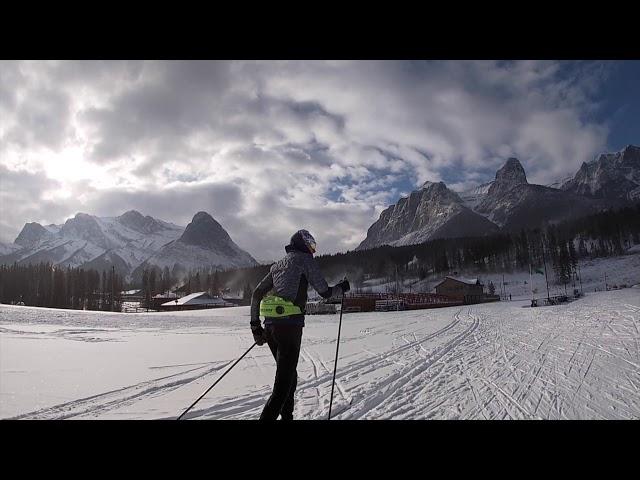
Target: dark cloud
22	200
42	119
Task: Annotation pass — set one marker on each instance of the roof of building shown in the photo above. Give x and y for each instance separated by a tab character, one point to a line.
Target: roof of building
198	298
468	281
166	295
130	292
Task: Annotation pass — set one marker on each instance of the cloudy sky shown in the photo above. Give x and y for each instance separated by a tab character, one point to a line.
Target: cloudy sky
270	147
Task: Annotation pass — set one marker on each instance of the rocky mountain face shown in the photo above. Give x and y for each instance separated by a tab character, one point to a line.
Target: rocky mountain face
31	234
513	203
508	203
530	205
509	176
434	211
610	176
126	242
139	223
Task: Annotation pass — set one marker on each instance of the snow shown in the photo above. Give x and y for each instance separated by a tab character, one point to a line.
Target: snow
472	197
7	248
634	249
468	281
621	270
198	298
495	361
194	257
559	183
78	243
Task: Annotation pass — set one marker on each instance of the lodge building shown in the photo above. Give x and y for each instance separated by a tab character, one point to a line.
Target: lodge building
468	290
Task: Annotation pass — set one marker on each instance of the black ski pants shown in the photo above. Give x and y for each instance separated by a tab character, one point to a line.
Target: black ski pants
284	342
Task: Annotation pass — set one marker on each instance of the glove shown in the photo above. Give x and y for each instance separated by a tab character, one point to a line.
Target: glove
344	285
258	334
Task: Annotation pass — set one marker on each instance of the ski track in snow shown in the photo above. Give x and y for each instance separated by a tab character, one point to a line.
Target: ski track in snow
122	397
580	360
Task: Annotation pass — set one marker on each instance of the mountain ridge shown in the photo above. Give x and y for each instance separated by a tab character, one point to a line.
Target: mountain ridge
509	202
124	242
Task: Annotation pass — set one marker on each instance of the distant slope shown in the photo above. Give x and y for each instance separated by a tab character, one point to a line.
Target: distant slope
203	244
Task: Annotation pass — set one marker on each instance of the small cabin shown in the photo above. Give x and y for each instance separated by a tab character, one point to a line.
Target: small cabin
469	290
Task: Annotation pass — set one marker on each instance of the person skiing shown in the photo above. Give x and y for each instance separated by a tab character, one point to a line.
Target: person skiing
284	310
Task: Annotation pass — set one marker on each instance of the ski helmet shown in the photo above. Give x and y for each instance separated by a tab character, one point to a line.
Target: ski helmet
304	240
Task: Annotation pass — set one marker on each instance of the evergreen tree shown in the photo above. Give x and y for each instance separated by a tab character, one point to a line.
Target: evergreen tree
247	292
145	289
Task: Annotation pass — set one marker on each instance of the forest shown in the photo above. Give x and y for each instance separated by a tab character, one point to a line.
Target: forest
558	246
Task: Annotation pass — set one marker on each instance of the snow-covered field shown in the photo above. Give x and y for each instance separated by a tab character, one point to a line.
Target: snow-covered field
494	361
617	271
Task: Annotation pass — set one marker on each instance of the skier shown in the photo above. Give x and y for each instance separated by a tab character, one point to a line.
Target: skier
288	279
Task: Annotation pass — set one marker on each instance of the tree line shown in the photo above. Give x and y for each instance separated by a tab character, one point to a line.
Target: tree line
47	285
557	246
161	281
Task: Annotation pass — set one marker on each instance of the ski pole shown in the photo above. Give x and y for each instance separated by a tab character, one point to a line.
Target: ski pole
335	366
254	344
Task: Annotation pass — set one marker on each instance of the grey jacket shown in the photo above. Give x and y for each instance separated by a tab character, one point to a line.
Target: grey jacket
289	278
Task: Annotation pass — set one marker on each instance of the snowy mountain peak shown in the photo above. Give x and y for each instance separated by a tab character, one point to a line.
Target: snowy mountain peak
509	176
441	193
428	184
204	231
203	244
31	234
140	223
610	175
629	155
435	187
202	217
85	227
511	172
131	215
